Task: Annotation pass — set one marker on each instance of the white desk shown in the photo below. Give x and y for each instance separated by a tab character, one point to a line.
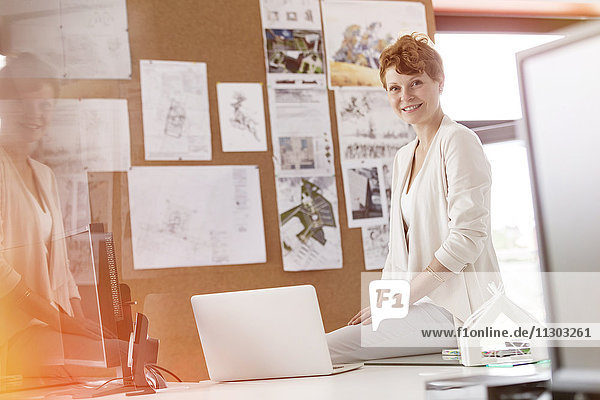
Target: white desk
367	383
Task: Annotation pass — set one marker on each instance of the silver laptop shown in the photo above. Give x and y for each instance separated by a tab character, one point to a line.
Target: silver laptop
265	333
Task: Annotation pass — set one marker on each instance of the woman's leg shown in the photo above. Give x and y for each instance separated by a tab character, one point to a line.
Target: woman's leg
394	338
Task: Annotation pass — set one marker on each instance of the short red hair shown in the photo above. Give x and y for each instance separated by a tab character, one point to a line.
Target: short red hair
409	55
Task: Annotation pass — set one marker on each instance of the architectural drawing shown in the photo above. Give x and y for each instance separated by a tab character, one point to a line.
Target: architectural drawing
291	14
309	232
367	126
293	42
375	245
314	212
301	132
85	135
84	39
357	31
242	116
175	110
195	216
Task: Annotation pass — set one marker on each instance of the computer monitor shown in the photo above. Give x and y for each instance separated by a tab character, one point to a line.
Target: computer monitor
106	305
92	262
560	92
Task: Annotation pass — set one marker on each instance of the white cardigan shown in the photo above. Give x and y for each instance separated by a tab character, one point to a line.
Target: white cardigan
23	253
450	219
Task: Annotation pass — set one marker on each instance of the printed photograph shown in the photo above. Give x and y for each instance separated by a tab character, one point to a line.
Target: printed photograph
294	51
356	32
366	202
297	152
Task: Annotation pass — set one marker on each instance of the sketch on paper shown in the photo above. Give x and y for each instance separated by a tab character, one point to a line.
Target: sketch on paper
84	39
85	135
242	116
363	185
310	234
375	245
105	134
301	132
175	110
175	120
291	14
101	197
241	119
96	39
196	216
367	126
356	32
80	257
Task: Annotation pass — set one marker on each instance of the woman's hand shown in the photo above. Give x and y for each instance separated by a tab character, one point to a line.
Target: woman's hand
78	327
363	316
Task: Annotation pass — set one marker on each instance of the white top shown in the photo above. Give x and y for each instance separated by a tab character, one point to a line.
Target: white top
451	220
406	202
45	221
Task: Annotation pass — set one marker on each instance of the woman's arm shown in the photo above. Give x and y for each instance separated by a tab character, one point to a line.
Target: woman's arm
425	282
37	307
469	181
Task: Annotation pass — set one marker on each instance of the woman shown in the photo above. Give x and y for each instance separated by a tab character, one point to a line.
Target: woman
38	296
440	215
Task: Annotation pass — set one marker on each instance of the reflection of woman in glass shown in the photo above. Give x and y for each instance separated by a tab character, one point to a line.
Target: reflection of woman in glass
38	296
440	236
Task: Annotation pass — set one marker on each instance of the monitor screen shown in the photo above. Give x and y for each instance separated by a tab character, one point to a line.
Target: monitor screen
89	257
560	89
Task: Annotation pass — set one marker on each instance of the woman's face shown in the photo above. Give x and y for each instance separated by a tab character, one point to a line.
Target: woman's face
25	120
414	98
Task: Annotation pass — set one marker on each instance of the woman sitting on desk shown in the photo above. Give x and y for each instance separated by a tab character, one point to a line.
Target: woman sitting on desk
440	216
38	296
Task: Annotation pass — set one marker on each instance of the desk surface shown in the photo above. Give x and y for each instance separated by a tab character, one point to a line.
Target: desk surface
384	382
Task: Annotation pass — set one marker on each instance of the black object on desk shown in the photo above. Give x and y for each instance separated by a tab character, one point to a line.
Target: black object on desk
489	387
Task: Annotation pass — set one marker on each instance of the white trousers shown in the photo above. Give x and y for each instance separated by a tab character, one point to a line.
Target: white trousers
394	337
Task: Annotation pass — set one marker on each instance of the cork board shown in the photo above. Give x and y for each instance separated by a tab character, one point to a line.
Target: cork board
227	35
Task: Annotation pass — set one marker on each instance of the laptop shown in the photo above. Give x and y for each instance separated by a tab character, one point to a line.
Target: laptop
265	333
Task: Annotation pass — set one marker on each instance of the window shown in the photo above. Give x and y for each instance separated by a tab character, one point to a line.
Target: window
481	89
481	73
513	225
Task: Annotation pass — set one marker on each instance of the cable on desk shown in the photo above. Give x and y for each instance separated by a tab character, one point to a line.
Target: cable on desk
108	381
164	370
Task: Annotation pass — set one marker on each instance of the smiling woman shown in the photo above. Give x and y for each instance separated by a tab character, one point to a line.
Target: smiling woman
440	237
39	301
